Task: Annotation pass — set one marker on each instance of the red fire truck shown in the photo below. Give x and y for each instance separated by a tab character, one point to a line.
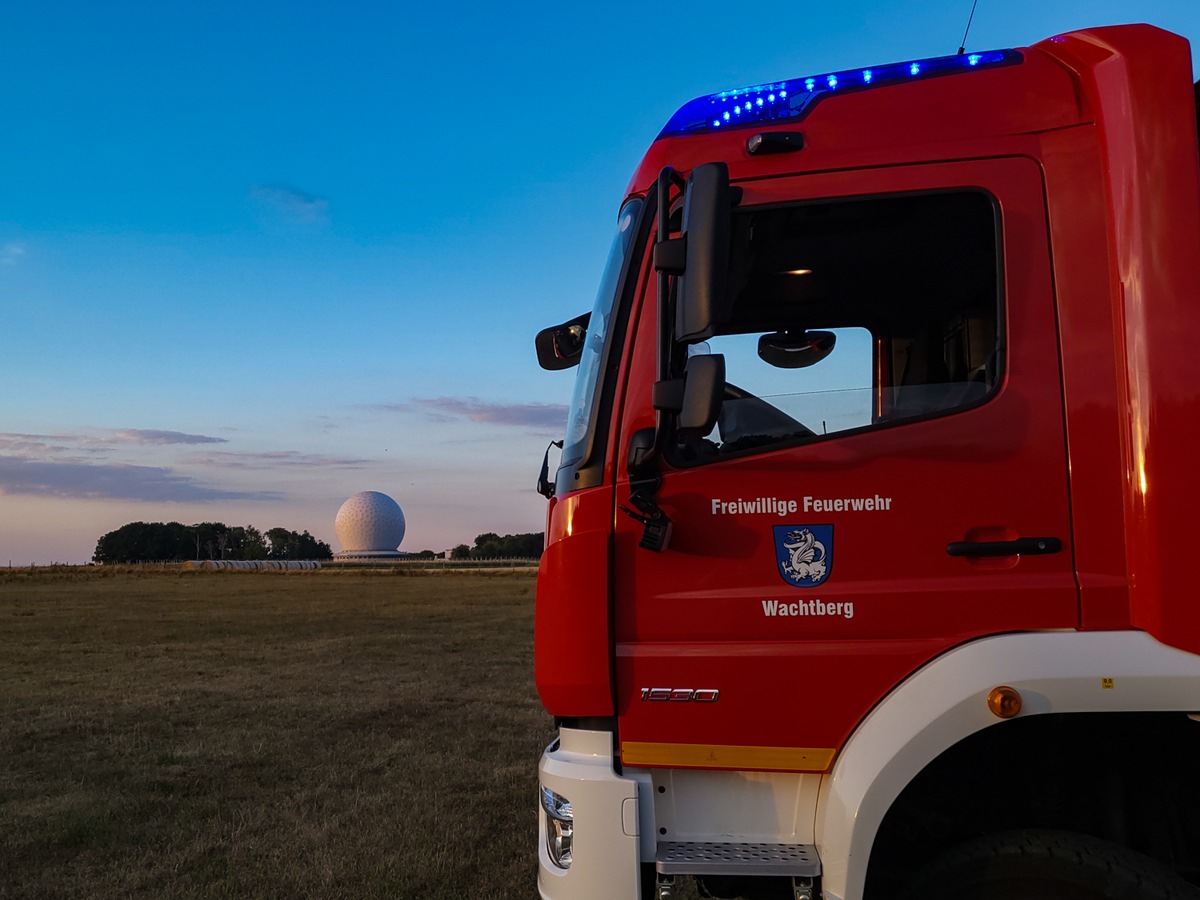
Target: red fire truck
868	563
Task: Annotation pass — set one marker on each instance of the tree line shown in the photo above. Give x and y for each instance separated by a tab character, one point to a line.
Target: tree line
511	546
173	542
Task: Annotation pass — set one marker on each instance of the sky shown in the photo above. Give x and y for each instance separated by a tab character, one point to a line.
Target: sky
256	257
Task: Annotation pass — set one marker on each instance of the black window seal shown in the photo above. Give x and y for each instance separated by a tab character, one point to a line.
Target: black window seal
588	470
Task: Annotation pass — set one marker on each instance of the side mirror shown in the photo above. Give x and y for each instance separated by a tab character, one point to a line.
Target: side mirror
785	350
703	392
560	346
706	227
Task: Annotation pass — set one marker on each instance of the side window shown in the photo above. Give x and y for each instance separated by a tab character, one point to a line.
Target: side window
764	403
856	314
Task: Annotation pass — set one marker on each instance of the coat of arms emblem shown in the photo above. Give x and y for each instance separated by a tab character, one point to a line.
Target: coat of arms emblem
804	553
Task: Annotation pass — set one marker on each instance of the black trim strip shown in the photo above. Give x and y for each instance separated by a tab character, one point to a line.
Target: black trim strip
1034	546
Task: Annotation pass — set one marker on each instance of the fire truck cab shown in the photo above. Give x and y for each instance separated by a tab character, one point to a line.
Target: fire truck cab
868	556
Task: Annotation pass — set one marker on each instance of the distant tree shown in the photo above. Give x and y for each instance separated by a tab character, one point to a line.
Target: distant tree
425	554
116	546
486	549
168	542
511	546
527	546
281	544
462	551
211	539
143	542
286	544
311	548
248	543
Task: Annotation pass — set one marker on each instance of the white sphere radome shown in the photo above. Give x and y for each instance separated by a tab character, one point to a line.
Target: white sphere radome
369	522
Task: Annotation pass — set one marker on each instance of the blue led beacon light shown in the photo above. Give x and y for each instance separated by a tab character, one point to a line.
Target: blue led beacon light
788	100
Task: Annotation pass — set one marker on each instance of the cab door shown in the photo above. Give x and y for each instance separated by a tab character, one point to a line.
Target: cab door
852	516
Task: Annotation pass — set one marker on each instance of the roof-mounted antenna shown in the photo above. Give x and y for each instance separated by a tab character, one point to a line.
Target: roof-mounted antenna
963	46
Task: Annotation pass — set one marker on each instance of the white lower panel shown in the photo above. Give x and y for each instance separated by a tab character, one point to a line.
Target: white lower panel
716	805
606	854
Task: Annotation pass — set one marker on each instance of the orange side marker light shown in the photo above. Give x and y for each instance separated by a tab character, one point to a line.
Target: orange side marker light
1004	702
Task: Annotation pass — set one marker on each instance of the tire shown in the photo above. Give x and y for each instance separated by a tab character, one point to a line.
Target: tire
1047	865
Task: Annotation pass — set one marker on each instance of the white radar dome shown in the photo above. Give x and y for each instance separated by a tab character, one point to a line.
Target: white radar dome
369	522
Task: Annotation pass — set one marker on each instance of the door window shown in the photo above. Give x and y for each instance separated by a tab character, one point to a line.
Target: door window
855	314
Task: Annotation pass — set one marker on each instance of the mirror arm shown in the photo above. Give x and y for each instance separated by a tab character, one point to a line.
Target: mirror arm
545	486
645	446
673	255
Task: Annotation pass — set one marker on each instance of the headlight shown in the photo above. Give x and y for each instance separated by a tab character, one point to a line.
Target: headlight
560	827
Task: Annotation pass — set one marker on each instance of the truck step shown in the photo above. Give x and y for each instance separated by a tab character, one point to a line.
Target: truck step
718	858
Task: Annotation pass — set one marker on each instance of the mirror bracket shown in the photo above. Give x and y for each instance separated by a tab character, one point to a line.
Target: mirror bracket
656	526
668	395
641	454
545	486
644	480
670	255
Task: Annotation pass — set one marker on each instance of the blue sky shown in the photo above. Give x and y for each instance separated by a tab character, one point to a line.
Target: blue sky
257	257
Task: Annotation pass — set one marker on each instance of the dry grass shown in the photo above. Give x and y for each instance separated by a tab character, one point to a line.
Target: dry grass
168	734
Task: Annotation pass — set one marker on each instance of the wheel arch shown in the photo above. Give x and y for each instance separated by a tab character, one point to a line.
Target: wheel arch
944	703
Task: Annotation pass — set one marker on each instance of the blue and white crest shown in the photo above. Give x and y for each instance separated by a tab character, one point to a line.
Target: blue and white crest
804	553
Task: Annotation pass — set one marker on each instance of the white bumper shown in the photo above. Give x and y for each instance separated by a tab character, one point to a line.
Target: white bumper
579	767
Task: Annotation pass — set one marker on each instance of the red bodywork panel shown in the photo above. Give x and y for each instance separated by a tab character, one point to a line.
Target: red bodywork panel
1089	150
572	637
1132	375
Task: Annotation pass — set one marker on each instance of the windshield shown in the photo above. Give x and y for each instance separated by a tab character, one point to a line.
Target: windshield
587	376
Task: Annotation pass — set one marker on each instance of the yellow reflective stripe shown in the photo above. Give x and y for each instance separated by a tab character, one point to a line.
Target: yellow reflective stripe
727	756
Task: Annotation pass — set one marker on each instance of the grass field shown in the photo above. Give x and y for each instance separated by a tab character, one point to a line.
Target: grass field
167	734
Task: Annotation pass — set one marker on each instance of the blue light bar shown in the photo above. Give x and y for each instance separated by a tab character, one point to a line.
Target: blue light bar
782	101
